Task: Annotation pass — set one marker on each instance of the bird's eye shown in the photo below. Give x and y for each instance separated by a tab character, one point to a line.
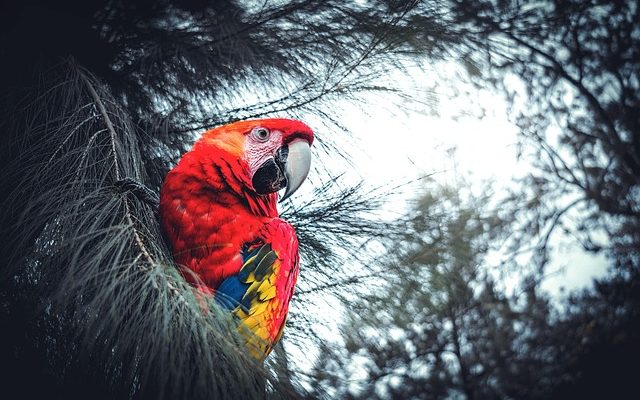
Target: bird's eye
261	134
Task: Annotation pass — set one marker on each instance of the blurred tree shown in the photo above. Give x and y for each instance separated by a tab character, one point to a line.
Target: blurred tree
571	73
95	92
597	341
436	324
571	70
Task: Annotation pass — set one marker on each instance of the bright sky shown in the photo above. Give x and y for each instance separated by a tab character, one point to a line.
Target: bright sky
390	148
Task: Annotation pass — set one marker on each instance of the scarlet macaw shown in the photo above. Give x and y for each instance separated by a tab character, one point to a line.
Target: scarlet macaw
218	210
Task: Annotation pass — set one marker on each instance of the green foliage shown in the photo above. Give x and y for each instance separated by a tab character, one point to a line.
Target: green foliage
598	339
93	305
439	325
571	71
96	92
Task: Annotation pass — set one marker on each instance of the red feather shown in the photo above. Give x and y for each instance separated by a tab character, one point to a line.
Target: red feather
209	211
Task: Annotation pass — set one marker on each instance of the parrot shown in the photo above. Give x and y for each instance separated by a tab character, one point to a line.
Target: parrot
218	209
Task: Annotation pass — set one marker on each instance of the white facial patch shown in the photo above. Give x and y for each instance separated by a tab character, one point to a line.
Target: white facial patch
257	152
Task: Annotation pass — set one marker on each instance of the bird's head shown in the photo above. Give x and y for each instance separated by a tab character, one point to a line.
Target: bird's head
271	154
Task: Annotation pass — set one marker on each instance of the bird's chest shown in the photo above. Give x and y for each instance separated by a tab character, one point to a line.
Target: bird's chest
210	237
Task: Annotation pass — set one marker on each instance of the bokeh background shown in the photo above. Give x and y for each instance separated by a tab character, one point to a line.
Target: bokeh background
470	228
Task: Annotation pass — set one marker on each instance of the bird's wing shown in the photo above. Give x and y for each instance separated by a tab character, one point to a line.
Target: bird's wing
259	294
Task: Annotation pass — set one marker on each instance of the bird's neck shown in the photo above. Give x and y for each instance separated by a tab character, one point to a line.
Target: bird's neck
262	206
208	214
223	180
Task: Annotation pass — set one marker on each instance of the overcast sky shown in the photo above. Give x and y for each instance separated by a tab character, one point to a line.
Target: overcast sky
391	145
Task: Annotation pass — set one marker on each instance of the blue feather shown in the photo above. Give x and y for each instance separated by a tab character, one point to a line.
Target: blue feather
231	291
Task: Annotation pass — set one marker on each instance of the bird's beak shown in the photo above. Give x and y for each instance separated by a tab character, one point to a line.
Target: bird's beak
297	166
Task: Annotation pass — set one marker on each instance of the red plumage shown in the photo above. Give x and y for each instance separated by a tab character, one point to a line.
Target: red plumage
214	218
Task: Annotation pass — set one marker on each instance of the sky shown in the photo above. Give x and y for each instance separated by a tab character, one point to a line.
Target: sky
451	139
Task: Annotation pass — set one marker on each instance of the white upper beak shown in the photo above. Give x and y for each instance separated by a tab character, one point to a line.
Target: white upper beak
298	165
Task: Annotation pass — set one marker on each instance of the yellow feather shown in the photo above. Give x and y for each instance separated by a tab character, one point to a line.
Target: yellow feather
264	286
262	333
258	308
268	293
250	278
252	322
254	287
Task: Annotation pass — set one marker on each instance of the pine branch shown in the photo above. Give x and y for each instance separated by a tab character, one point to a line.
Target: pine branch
104	300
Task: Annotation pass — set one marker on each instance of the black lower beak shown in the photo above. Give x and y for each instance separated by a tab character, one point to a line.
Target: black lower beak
270	176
